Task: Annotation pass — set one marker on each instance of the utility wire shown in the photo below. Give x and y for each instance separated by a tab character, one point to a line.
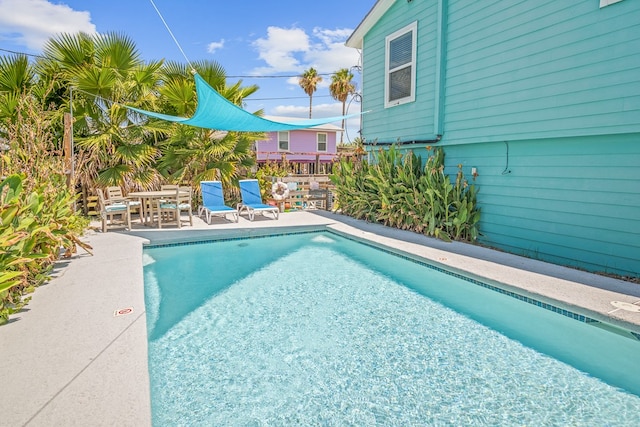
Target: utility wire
239	76
287	97
23	53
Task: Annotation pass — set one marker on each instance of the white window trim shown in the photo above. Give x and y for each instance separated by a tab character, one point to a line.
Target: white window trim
411	98
326	142
604	3
288	140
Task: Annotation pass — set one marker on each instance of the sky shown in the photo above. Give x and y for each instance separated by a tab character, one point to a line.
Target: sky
263	42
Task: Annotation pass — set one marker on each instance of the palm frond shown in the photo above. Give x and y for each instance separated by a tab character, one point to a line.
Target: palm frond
113	175
136	154
117	52
16	74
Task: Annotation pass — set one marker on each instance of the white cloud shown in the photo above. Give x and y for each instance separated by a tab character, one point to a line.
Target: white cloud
279	50
31	23
293	51
330	54
293	81
213	46
332	36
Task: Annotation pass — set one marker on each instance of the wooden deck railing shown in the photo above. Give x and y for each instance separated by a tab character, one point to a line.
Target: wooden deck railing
308	191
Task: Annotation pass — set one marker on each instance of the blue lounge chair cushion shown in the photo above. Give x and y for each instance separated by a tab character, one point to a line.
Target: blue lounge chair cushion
252	199
213	202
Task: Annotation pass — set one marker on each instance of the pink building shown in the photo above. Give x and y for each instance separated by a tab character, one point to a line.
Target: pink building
315	145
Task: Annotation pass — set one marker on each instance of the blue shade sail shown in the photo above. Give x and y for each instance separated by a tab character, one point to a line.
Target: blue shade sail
214	111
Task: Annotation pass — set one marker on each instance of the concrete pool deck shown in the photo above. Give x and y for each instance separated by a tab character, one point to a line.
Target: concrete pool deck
71	359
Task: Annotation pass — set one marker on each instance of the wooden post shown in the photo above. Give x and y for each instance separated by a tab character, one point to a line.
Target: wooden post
68	150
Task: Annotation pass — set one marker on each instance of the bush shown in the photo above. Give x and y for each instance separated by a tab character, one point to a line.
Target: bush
398	192
33	231
37	221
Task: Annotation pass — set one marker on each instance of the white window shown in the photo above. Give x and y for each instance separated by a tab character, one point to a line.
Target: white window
322	141
283	141
400	66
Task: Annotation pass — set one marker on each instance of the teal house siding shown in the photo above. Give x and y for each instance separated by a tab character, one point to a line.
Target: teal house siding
525	70
570	201
543	99
411	121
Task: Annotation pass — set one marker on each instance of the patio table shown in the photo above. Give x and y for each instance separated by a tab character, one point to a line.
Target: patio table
150	197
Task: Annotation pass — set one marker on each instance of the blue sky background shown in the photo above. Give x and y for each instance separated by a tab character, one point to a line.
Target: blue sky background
256	41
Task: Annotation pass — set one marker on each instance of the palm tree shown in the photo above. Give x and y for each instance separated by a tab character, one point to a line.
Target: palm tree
105	72
309	82
30	126
117	146
191	154
16	78
340	89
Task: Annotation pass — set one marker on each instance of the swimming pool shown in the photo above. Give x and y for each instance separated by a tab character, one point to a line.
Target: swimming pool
317	329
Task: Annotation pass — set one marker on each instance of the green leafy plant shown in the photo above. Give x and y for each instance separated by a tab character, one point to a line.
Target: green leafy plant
37	221
398	191
266	172
33	231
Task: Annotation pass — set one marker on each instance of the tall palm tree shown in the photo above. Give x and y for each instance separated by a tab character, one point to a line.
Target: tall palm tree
309	82
340	88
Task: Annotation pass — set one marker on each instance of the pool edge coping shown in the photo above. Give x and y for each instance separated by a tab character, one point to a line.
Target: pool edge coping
573	311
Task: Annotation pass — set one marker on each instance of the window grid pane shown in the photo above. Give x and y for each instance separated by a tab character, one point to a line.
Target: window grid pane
322	142
400	62
400	84
283	141
400	50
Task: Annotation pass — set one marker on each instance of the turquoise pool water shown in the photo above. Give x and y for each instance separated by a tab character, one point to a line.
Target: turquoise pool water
315	329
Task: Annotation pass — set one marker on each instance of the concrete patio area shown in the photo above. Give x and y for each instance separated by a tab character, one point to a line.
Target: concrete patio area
77	354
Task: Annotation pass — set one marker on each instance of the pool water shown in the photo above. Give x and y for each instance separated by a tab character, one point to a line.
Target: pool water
315	329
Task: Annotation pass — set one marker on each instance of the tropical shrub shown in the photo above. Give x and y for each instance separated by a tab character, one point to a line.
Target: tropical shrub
398	192
37	221
33	231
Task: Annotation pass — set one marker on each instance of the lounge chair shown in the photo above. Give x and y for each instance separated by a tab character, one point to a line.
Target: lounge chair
252	200
213	202
109	210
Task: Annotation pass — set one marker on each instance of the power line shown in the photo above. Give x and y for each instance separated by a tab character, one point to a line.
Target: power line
228	77
22	53
239	76
287	97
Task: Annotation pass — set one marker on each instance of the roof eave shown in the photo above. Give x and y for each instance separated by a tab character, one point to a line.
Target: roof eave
376	12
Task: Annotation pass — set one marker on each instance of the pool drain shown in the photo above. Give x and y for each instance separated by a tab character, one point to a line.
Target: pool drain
626	306
122	311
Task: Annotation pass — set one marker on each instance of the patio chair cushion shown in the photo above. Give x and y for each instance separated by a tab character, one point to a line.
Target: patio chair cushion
181	206
116	207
